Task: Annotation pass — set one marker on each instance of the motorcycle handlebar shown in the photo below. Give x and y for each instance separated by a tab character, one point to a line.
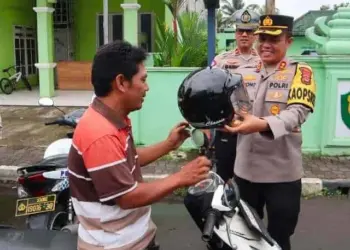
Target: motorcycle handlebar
210	222
51	123
61	122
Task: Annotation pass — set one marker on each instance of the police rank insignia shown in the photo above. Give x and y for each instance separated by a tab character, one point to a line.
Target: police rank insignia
267	21
246	17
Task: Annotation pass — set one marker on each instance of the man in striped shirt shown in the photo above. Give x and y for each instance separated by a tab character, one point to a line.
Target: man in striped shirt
109	196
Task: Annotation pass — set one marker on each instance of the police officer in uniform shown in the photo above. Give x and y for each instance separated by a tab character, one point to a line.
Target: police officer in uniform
247	22
268	166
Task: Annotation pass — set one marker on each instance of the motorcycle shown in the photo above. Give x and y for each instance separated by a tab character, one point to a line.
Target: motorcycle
43	188
235	224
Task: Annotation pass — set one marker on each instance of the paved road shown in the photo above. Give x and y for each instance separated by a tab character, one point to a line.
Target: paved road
324	224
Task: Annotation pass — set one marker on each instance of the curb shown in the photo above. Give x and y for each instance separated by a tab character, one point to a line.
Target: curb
310	186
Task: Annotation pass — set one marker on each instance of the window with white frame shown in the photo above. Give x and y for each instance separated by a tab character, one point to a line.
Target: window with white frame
25	50
62	16
115	30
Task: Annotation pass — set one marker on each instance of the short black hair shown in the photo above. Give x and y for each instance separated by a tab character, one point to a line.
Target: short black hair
117	57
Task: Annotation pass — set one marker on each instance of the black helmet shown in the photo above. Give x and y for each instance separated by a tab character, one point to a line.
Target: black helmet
209	97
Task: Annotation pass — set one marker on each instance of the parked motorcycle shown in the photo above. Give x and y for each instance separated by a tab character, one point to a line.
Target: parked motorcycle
234	222
43	187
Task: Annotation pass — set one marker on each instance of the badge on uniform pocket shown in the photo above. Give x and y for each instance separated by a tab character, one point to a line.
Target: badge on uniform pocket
275	109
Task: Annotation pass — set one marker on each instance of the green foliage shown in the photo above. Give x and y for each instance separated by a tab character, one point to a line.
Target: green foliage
187	48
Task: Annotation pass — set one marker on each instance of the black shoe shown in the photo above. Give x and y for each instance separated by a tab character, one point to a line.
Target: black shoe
215	245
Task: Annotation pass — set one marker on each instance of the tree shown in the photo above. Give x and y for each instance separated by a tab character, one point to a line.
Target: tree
260	9
335	6
325	7
221	22
229	8
174	7
186	49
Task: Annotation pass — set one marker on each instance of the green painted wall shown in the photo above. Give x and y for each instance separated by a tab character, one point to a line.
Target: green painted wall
299	44
14	12
223	39
85	24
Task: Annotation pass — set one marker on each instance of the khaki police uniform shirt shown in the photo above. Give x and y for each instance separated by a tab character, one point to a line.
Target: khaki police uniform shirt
232	59
284	96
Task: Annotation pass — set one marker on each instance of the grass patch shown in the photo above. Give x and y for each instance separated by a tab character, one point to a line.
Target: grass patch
181	192
339	193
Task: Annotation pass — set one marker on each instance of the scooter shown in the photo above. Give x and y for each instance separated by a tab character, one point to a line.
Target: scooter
43	188
231	219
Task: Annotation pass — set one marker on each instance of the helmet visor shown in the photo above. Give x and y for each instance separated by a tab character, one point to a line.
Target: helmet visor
240	99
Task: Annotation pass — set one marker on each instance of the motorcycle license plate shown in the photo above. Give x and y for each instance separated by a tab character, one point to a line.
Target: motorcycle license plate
35	205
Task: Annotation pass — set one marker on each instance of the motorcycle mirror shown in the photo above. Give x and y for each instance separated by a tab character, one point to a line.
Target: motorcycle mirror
231	194
199	138
46	101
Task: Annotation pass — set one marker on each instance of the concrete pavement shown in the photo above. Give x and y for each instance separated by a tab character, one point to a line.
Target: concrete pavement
323	224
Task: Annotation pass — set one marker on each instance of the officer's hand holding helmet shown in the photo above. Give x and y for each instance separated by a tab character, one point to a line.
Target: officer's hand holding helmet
210	98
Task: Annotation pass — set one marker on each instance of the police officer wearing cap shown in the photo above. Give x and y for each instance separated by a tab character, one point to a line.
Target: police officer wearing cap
247	22
268	167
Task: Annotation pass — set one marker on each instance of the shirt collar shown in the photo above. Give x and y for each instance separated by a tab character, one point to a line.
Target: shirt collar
253	52
111	115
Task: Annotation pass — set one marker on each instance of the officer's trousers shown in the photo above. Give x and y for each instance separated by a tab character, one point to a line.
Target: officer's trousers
282	202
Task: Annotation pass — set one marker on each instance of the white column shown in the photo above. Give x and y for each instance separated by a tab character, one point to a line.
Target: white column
105	21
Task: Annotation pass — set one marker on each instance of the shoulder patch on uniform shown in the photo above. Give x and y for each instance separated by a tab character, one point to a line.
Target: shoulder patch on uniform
303	89
306	74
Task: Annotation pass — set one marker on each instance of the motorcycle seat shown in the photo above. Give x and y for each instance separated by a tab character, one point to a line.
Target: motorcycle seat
50	163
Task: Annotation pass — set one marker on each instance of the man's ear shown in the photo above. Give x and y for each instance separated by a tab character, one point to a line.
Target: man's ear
289	41
120	83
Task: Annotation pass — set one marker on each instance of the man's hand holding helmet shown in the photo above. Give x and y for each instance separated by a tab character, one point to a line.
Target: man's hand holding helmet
178	135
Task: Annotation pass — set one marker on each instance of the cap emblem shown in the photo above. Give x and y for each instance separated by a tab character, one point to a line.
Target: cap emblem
267	21
246	17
